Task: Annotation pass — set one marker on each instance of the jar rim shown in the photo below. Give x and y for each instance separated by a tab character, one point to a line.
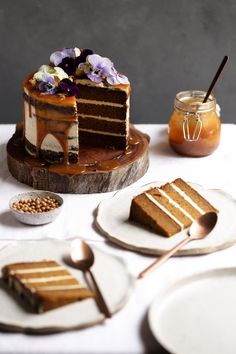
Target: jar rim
182	104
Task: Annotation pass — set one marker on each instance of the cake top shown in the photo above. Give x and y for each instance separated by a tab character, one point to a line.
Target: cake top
69	64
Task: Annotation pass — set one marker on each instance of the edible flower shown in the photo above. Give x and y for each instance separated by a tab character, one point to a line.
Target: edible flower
68	87
100	68
58	73
83	55
57	57
48	84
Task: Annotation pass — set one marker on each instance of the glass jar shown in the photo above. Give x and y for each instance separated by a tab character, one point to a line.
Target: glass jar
194	127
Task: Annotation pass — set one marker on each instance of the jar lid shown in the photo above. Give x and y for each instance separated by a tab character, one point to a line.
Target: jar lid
192	101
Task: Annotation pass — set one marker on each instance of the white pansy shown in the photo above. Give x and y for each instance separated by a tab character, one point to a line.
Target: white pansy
57	72
60	73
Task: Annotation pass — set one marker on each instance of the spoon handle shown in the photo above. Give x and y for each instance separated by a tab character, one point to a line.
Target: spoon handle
99	297
163	258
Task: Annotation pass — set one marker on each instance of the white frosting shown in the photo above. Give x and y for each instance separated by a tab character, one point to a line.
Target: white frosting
88	82
154	201
187	198
100	103
57	287
46	279
101	118
100	132
36	270
176	205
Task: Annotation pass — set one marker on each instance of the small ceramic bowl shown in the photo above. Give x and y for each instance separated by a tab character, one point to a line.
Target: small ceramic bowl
39	218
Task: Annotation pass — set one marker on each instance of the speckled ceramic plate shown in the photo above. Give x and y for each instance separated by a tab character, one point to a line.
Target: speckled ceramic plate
113	214
197	314
77	315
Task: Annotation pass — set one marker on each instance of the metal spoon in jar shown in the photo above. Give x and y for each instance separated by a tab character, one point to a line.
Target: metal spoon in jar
82	257
199	229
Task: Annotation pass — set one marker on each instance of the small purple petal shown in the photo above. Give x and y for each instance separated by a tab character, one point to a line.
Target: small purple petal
47	88
94	60
94	77
48	78
56	58
68	87
112	80
68	52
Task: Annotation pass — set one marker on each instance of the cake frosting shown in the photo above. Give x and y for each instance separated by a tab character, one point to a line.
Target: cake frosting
79	98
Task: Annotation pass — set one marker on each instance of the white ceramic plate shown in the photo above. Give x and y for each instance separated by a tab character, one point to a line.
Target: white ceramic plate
113	214
77	315
197	315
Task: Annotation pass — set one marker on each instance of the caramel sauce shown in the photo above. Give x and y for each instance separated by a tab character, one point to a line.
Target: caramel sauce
133	140
209	137
71	169
34	162
107	165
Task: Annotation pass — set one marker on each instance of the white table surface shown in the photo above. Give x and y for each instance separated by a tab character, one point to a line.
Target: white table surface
127	331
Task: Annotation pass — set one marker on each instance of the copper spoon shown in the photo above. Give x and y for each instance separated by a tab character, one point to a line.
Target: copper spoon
199	229
83	258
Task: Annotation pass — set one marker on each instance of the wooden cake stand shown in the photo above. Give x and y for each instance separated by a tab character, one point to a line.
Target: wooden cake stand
99	170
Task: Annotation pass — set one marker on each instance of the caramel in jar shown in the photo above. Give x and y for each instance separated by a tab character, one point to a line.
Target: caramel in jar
194	127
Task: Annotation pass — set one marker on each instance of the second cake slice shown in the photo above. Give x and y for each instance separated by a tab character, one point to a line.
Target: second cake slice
170	208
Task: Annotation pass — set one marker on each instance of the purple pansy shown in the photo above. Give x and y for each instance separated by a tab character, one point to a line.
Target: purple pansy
115	78
96	67
83	55
100	68
48	85
68	87
57	57
68	65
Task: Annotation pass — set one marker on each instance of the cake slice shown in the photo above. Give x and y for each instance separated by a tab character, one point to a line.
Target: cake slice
43	285
170	208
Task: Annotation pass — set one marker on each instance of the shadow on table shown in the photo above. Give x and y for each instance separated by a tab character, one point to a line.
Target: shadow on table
150	343
160	145
8	220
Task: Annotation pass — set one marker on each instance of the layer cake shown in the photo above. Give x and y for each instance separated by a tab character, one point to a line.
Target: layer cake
79	98
44	285
170	208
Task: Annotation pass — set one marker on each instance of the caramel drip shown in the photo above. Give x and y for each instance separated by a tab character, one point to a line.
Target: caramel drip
60	130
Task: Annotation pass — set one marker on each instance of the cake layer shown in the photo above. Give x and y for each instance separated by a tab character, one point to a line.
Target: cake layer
101	109
190	194
101	93
103	139
169	208
117	126
42	105
143	210
44	285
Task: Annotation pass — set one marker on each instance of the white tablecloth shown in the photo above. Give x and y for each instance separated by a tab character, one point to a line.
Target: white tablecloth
127	331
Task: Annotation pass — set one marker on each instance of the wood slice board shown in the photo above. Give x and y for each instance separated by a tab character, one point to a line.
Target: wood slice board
132	164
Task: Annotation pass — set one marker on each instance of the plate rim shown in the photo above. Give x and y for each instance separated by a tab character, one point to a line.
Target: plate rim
176	285
158	251
58	329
